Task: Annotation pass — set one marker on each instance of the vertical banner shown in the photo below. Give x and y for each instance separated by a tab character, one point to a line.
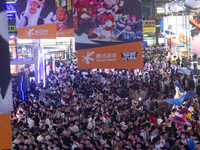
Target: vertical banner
6	103
35	19
64	18
108	33
5	132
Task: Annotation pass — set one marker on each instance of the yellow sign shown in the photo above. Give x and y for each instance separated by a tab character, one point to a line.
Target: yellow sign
12	28
149	30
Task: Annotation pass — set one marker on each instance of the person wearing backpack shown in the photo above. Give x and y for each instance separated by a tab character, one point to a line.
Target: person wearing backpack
75	143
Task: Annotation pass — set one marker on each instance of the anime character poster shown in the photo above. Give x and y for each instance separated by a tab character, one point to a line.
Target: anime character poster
99	23
34	12
35	19
64	16
108	33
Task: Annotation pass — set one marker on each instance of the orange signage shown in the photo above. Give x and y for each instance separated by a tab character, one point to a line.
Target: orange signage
46	31
123	56
5	132
65	33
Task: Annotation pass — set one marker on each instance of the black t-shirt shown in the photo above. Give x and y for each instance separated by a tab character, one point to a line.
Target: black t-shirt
36	120
66	141
143	147
59	131
171	142
169	62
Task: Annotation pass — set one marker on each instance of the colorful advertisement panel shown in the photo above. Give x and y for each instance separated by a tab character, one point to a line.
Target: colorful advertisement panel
64	18
99	24
195	35
41	19
34	12
123	56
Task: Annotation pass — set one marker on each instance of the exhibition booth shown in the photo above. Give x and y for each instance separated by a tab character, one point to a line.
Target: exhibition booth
177	37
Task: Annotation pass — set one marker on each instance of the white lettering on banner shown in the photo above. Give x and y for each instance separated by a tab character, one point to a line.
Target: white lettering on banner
30	32
106	57
129	56
98	56
103	55
41	32
113	55
101	60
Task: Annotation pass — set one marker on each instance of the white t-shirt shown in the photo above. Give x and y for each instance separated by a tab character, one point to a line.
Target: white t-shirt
76	145
84	73
184	141
157	147
159	121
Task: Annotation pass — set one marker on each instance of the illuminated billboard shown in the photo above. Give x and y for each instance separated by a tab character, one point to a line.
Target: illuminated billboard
108	34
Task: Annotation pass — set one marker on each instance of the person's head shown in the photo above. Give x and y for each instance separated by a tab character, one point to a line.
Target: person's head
25	132
32	147
128	142
116	143
146	126
152	145
140	139
21	146
71	123
88	142
195	136
138	145
44	146
130	123
75	139
177	140
185	127
154	130
18	135
182	135
181	145
162	135
186	147
53	133
156	141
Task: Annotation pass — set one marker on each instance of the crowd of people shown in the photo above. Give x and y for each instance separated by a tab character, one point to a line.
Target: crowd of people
106	109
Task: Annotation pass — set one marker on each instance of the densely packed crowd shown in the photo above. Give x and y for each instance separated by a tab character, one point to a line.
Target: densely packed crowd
106	109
